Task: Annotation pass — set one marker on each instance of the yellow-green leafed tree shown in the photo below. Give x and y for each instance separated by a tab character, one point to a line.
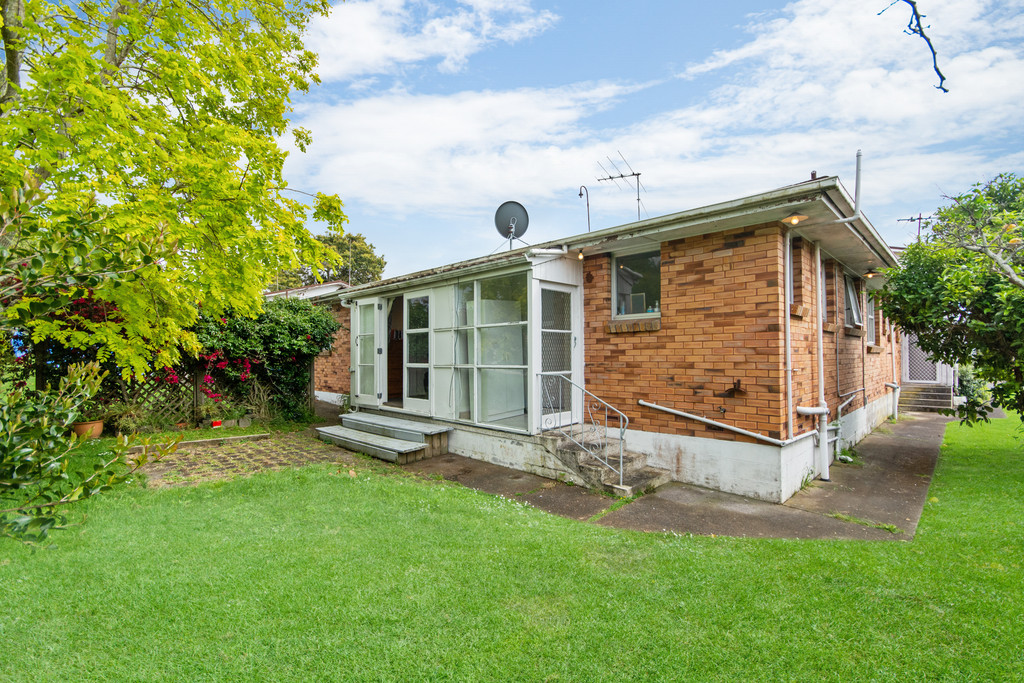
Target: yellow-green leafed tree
159	119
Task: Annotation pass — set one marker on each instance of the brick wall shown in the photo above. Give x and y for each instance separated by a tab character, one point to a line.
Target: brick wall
721	321
331	369
722	303
862	362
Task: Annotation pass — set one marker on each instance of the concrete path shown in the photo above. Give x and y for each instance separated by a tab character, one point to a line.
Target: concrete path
878	498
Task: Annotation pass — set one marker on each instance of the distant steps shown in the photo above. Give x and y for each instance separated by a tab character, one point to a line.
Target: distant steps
925	399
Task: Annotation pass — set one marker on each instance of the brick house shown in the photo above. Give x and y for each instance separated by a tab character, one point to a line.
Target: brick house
738	341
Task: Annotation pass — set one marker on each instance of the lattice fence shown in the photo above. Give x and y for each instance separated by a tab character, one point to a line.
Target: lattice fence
919	367
168	399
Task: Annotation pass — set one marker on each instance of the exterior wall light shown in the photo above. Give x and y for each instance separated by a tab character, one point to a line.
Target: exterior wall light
794	218
870	274
580	255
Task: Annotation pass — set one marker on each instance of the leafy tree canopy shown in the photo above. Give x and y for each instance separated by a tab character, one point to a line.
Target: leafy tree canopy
357	263
961	289
153	123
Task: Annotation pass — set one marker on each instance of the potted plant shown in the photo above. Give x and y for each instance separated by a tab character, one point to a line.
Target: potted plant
90	422
126	417
211	412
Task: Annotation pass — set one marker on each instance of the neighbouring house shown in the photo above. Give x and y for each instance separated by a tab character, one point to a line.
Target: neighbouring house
738	341
331	372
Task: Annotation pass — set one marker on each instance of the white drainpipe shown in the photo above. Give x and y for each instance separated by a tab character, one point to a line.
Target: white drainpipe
548	252
856	198
822	409
789	340
893	384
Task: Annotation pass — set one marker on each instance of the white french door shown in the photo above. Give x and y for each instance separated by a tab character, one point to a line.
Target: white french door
416	354
368	322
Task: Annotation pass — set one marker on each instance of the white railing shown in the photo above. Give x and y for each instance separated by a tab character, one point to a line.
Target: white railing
562	399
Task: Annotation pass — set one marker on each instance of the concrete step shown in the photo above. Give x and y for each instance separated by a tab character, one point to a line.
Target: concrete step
915	408
644	480
947	402
384	447
434	437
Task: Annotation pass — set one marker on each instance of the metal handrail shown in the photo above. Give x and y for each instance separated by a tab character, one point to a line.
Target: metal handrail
592	407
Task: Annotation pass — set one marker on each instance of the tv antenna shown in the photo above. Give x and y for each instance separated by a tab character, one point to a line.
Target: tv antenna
511	221
919	218
619	175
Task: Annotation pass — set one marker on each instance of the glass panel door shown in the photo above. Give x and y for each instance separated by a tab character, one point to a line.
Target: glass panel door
557	343
366	317
417	352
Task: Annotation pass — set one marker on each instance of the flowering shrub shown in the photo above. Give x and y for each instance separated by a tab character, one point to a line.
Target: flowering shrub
276	348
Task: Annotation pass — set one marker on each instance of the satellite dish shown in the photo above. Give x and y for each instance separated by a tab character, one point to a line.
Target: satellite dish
511	220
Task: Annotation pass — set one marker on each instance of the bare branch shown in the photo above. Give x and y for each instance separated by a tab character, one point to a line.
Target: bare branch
915	28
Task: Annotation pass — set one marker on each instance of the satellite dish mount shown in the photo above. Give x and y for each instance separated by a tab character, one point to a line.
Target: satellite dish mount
511	221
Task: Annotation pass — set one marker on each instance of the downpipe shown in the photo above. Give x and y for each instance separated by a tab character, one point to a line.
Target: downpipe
822	415
895	399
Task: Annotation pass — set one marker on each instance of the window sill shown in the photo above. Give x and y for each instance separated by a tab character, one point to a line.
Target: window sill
854	331
873	348
798	311
829	327
652	324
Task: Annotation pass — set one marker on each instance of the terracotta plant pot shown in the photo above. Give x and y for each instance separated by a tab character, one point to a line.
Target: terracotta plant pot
90	429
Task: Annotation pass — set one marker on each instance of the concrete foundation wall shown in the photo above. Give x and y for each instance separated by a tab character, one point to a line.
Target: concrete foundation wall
521	452
860	423
798	466
752	470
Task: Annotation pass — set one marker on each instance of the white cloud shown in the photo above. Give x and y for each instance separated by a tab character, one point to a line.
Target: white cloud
371	37
815	82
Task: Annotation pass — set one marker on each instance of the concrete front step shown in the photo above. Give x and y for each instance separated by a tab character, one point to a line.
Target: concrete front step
434	437
637	476
384	447
644	480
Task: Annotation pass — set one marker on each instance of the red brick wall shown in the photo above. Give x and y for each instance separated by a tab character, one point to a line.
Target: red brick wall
721	321
331	368
722	303
862	362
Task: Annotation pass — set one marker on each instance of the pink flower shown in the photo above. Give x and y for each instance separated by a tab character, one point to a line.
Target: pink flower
223	364
207	379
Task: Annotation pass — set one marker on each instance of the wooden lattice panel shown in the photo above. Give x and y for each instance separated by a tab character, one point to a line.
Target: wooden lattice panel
167	401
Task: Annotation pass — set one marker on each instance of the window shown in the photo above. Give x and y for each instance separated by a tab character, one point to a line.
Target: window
869	316
636	285
481	347
853	316
823	291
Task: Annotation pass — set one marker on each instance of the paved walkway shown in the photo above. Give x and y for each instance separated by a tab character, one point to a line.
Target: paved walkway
880	497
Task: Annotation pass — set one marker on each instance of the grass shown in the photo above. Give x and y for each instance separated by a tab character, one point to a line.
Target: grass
311	574
891	528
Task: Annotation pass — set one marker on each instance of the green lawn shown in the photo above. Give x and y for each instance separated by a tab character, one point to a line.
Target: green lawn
314	575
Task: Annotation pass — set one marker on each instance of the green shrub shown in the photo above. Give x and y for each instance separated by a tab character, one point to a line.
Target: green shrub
974	390
37	480
276	349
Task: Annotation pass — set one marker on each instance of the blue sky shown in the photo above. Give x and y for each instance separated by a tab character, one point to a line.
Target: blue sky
431	113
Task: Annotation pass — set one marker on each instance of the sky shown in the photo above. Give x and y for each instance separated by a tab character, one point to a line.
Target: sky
432	113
